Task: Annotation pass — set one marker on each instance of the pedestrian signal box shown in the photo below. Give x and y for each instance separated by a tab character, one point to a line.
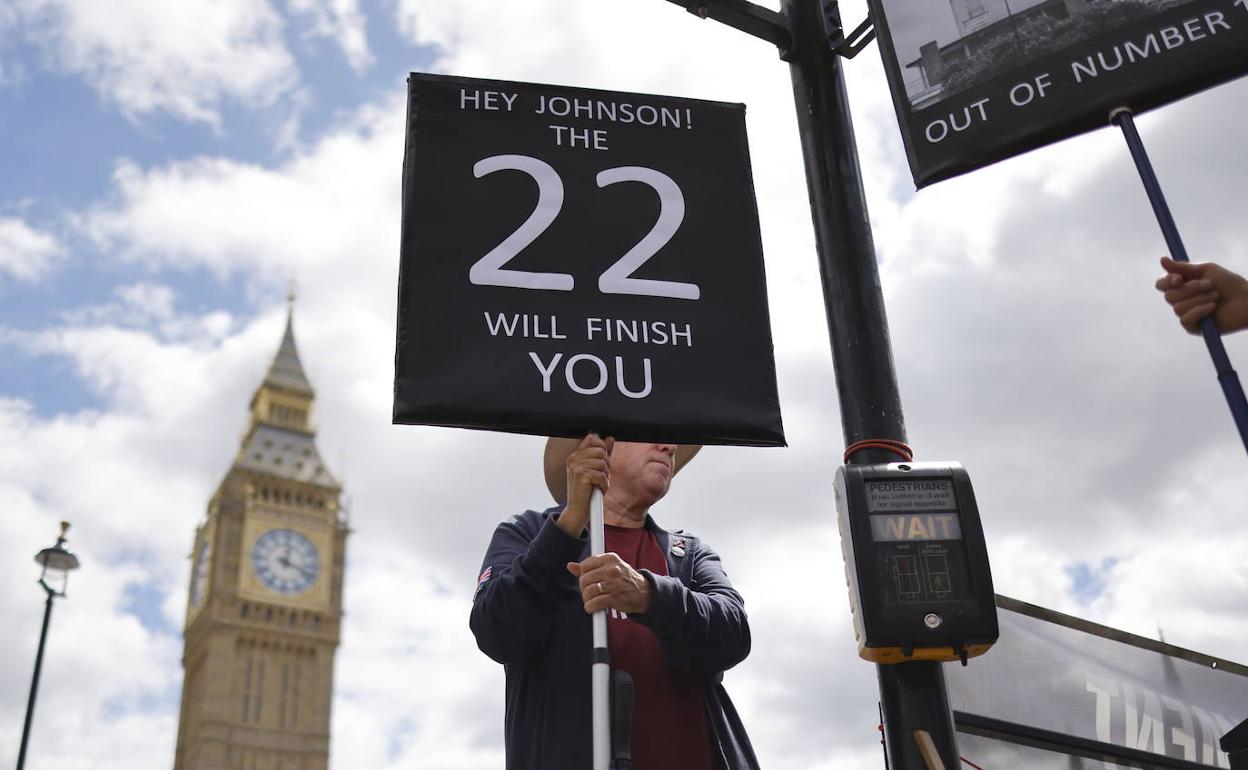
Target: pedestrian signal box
915	561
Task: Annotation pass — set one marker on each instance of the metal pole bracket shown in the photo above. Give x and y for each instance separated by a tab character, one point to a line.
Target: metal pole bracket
748	17
860	38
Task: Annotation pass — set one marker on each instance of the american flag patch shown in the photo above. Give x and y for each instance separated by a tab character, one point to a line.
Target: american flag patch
485	575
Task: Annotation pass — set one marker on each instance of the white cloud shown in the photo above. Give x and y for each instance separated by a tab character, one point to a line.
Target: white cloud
342	21
147	299
132	478
8	20
25	253
138	304
327	209
184	59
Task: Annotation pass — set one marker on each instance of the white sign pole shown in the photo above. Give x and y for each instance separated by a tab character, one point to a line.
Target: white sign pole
601	668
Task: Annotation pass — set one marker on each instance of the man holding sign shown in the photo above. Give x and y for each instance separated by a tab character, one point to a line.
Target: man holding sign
675	621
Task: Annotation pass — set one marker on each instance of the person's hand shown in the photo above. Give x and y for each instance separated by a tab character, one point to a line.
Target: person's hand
588	467
1196	290
607	581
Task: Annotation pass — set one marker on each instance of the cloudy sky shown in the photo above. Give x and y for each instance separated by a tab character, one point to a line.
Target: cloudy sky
168	167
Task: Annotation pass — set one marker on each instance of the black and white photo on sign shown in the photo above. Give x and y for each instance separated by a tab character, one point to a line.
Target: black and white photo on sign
944	47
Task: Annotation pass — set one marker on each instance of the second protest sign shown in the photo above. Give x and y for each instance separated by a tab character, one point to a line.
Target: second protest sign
976	81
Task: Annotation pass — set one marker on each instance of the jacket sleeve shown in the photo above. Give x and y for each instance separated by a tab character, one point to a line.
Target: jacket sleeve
513	609
702	628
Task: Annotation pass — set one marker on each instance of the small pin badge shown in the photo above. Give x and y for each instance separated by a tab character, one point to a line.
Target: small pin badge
678	547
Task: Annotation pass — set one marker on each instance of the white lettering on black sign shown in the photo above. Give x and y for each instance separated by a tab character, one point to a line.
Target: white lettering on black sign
616	279
577	259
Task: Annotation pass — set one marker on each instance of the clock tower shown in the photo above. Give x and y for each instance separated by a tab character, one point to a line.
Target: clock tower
265	604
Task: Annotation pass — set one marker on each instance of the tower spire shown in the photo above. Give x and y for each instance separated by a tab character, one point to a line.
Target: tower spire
286	371
284	398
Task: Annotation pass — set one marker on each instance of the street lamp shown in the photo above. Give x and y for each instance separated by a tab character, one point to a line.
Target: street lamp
57	563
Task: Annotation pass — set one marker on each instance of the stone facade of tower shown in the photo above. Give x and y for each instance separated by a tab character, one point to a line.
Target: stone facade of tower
265	604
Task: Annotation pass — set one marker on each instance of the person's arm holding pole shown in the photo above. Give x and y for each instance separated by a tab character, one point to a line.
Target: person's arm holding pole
704	632
1227	377
1197	290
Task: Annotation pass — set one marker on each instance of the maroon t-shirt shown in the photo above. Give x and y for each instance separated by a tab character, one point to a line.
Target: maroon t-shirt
669	717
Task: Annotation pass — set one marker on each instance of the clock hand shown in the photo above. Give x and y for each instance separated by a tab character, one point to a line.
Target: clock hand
285	562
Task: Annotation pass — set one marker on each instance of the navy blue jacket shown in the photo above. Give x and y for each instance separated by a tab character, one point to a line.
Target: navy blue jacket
528	615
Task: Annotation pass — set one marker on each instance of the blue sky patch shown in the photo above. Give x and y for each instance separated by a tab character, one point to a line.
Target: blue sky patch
1088	582
143	601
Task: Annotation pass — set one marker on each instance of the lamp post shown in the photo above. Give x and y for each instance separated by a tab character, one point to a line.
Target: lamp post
1014	25
57	563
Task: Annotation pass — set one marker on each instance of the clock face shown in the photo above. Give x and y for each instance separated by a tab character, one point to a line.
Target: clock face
199	572
285	561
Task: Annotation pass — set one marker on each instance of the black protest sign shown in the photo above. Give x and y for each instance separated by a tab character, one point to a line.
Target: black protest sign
574	259
976	81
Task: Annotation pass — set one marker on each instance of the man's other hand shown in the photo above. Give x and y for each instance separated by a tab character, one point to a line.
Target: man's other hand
607	581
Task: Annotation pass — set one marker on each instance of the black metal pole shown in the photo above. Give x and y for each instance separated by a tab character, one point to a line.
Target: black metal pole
857	324
34	681
912	695
1227	377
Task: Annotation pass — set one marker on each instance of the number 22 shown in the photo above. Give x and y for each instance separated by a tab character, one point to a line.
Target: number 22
617	279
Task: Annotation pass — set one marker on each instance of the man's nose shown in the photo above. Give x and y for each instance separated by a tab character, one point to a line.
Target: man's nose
669	448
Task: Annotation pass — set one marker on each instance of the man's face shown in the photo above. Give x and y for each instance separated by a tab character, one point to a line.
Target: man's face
643	471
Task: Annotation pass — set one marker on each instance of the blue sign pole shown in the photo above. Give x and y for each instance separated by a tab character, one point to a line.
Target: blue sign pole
1227	377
